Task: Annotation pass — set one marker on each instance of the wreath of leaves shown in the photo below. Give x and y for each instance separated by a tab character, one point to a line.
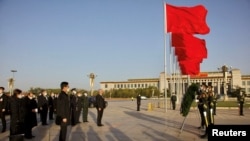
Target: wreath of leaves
188	99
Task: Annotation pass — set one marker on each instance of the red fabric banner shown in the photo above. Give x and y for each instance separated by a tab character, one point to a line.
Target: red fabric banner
190	20
189	67
188	47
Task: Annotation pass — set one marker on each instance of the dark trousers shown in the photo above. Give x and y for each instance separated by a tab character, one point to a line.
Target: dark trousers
214	108
73	117
138	107
28	132
63	132
201	110
241	108
85	114
51	113
173	105
19	137
78	113
2	116
99	116
44	114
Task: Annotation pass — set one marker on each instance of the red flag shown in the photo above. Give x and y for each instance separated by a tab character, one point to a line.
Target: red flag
191	20
189	67
189	46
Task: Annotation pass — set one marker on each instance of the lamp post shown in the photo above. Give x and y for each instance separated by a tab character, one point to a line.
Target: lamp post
92	77
224	70
11	82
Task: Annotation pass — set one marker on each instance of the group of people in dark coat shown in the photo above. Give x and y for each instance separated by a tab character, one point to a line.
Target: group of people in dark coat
75	106
22	112
67	105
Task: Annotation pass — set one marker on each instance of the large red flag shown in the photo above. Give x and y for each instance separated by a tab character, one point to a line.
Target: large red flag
188	47
191	20
189	67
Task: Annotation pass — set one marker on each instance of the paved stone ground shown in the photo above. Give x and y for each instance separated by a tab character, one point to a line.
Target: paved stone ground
123	123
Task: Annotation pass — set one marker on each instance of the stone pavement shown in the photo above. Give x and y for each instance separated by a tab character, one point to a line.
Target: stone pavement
123	123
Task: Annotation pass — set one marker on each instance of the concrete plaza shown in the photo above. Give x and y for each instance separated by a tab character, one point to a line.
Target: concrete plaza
123	123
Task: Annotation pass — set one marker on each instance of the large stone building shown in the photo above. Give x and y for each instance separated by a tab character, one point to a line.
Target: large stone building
178	83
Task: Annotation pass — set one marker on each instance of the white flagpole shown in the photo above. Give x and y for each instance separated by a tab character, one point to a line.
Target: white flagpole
165	56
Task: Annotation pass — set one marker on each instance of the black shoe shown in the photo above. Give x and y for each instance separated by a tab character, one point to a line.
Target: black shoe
28	137
3	131
100	125
204	136
45	124
86	121
33	136
201	127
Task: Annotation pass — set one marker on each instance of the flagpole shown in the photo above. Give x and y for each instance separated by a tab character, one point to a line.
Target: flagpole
165	56
170	65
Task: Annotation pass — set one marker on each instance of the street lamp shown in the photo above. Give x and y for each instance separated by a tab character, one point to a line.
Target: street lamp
11	82
92	77
225	70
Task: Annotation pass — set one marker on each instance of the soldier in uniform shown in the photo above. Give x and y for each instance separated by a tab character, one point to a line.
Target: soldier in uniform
201	100
85	105
173	100
208	112
213	98
241	100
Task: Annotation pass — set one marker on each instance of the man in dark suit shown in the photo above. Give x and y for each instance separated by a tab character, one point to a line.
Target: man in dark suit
17	116
3	105
138	98
63	110
30	120
100	105
51	99
85	106
73	104
43	105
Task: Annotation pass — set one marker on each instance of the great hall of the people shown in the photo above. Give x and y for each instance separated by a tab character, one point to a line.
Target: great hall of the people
233	79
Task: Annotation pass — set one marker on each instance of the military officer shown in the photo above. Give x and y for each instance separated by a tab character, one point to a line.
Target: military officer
241	100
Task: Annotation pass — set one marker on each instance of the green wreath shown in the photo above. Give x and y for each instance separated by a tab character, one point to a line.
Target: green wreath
188	99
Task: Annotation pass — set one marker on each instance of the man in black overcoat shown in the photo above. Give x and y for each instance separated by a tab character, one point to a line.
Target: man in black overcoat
17	116
43	105
85	106
63	110
51	99
100	105
73	106
3	106
138	100
30	116
78	106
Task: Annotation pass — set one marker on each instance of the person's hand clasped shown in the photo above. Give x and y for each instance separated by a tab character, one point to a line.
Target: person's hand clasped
64	120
